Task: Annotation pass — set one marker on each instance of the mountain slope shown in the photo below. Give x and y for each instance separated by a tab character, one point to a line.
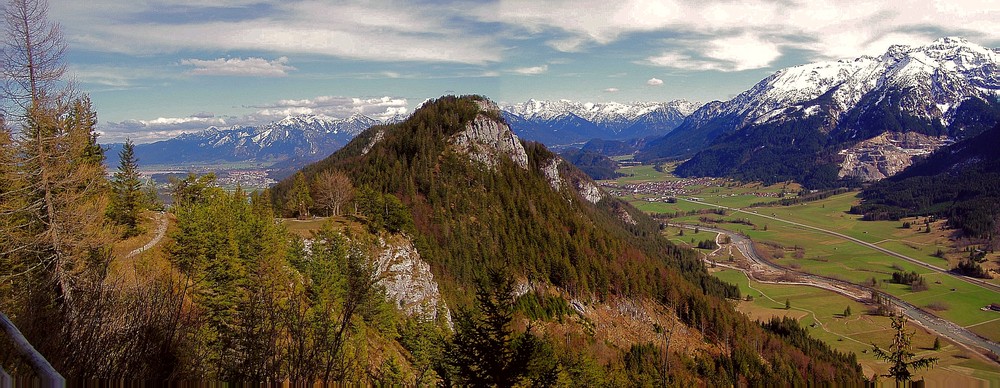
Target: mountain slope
564	122
481	198
938	90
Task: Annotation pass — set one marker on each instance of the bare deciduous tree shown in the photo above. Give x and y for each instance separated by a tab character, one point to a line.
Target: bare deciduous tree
332	189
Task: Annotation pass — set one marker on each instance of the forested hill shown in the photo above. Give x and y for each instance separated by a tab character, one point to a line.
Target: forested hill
480	198
960	182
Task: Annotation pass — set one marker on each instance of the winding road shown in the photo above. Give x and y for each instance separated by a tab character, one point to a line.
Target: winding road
761	268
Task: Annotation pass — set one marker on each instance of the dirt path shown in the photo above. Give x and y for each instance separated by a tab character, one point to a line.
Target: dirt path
161	230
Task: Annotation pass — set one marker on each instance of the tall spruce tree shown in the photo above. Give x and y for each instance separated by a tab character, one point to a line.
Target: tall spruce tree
300	201
127	201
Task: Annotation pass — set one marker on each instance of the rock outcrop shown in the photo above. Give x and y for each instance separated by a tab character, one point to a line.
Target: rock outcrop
551	172
590	191
408	280
486	139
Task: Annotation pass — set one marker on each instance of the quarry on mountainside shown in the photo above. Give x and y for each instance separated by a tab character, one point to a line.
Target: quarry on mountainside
886	154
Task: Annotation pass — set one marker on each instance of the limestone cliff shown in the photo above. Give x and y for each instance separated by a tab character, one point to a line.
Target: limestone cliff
486	139
408	280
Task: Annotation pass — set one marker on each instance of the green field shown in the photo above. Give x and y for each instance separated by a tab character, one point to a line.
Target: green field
832	256
822	311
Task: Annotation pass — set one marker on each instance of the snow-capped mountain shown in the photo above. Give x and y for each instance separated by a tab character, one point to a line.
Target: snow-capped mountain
936	90
304	138
563	122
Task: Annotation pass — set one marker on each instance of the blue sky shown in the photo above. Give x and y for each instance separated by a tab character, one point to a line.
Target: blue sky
158	68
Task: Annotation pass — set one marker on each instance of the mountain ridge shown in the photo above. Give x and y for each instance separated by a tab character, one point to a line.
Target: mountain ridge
547	222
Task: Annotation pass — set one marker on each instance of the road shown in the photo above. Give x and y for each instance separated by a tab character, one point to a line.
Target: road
761	269
970	280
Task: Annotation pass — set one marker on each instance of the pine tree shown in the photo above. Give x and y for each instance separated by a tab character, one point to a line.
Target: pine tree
899	355
485	350
937	343
299	200
847	311
788	304
127	201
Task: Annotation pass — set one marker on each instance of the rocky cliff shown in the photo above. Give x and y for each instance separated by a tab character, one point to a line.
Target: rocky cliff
408	280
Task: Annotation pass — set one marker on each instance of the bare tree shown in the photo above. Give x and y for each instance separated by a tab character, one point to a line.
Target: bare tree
32	56
332	189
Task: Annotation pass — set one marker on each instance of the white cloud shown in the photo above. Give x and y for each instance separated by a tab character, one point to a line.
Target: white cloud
335	106
611	90
730	53
734	36
145	131
654	82
534	70
253	67
375	31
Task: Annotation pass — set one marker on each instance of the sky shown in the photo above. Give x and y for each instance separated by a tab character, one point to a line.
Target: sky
158	68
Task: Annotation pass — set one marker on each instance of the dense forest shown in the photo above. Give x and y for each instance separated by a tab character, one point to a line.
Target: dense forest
468	218
960	182
785	150
594	164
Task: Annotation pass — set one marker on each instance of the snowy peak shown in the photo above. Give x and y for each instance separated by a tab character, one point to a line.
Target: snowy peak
598	113
947	71
304	138
801	116
564	122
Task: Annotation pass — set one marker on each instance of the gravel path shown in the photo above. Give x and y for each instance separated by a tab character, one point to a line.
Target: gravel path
161	230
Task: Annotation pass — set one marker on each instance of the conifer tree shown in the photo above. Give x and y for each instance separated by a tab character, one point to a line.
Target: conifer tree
899	354
299	200
127	201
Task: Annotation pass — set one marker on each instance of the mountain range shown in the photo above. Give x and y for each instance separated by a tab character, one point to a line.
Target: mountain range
298	140
563	122
802	122
861	119
294	140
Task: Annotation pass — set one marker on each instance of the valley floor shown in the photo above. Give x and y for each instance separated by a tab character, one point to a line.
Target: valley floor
820	237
